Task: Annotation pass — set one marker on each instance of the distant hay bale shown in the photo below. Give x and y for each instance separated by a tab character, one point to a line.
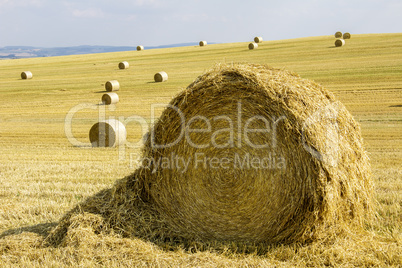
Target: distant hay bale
107	133
124	65
139	48
161	77
203	43
245	154
346	36
258	39
112	85
338	35
252	46
110	98
339	42
26	75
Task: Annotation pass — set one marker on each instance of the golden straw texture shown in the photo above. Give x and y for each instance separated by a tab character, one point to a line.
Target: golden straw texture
246	154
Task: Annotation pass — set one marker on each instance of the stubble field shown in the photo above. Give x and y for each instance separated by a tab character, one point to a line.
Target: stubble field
48	166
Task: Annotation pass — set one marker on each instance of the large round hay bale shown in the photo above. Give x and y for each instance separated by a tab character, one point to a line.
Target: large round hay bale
161	77
203	43
124	65
139	48
258	39
252	45
346	36
249	153
339	42
107	133
112	85
110	98
26	75
338	35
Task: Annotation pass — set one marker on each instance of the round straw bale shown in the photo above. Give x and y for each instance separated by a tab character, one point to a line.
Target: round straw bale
140	48
112	85
258	39
346	36
203	43
123	65
161	77
26	75
107	133
338	35
249	153
110	98
339	42
252	45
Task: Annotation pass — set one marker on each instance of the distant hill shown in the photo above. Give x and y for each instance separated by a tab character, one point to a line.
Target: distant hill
17	52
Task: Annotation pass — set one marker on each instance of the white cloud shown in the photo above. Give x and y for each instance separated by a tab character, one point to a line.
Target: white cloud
21	3
4	2
147	3
193	17
9	6
131	18
88	13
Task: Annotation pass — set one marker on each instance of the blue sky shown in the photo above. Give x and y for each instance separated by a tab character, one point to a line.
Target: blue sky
57	23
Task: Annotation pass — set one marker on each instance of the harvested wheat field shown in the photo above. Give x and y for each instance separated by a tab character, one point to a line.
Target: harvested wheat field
318	146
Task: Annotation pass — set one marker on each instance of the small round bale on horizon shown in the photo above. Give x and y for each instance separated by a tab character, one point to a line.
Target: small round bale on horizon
112	85
26	75
161	77
203	43
107	133
110	98
339	42
252	45
139	48
338	35
346	36
258	39
124	65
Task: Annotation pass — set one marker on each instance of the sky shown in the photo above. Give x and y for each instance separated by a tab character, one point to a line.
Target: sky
60	23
